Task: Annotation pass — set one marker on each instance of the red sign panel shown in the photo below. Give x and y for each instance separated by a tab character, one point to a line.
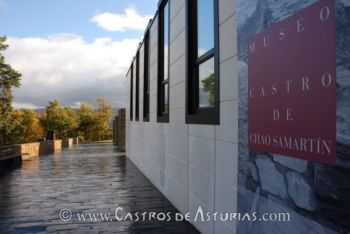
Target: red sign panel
292	86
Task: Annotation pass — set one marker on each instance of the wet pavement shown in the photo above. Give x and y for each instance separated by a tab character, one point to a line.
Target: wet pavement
85	182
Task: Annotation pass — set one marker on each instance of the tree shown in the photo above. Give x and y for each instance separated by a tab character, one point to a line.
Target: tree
87	123
14	135
33	129
9	78
71	122
85	117
94	124
104	111
100	129
25	127
60	120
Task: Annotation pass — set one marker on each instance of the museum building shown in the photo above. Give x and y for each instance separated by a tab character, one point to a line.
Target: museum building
241	109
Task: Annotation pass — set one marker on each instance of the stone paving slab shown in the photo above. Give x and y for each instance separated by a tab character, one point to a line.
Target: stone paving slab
85	179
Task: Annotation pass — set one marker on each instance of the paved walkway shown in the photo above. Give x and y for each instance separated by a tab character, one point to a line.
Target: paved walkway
87	180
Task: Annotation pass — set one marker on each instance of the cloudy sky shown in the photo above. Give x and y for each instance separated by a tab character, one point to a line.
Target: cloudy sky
72	50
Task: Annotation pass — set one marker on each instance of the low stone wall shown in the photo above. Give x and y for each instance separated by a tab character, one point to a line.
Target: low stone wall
121	130
57	145
28	150
67	142
39	148
115	130
75	140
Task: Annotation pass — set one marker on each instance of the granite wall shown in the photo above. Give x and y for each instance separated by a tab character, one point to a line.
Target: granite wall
317	196
39	148
67	142
28	150
121	130
115	130
33	149
75	140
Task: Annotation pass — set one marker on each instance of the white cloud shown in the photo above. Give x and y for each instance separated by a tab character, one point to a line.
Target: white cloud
23	105
67	68
130	19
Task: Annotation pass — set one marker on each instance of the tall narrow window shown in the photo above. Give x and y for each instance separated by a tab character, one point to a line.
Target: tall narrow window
163	63
131	92
146	85
137	96
202	94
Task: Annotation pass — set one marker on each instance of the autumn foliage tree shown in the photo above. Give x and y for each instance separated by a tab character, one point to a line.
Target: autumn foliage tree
95	125
26	127
86	119
22	126
103	115
87	123
59	119
9	78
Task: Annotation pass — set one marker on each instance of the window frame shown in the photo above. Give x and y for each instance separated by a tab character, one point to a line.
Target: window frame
131	92
146	80
162	116
194	113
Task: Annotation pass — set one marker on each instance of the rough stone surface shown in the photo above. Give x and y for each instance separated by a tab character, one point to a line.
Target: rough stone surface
297	223
343	110
67	142
253	172
115	130
243	151
325	182
121	130
28	150
75	140
271	179
93	178
334	187
343	155
295	164
300	192
254	202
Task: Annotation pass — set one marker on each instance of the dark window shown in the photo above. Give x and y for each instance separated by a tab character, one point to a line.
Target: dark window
163	64
131	92
202	92
137	97
146	85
